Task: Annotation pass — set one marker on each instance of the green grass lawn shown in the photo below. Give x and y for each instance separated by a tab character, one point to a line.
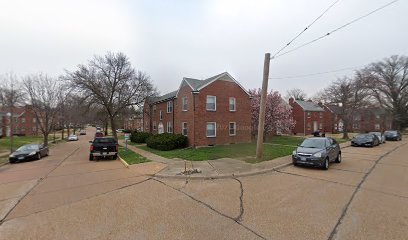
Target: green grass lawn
131	157
18	142
244	151
285	140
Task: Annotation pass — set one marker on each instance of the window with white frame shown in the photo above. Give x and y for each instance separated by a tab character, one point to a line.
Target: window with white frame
232	128
321	115
161	115
377	126
232	104
23	120
211	103
309	114
169	106
34	120
184	128
211	129
184	103
154	125
320	125
169	127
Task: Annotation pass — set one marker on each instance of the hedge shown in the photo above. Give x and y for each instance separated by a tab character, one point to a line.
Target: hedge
167	141
139	137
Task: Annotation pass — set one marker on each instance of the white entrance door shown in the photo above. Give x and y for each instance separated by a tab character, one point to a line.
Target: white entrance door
314	126
160	128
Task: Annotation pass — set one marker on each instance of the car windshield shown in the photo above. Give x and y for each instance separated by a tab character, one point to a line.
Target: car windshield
376	133
314	143
390	133
104	140
31	147
363	136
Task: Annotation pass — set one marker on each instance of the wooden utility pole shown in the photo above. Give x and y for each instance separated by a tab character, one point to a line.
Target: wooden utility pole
262	108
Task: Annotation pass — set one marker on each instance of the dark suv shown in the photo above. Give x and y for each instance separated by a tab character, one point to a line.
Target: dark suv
317	151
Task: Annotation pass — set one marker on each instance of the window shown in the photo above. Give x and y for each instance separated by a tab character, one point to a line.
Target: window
154	125
232	104
169	106
377	116
211	103
309	125
184	128
377	126
320	125
356	126
232	128
211	129
321	115
161	115
169	127
23	120
184	106
308	114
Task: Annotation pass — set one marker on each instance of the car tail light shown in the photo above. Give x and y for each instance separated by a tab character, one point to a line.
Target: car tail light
91	148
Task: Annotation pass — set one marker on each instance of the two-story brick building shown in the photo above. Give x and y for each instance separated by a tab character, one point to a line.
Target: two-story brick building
212	111
309	116
24	121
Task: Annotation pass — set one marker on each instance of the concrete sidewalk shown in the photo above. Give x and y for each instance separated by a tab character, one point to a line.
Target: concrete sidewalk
213	169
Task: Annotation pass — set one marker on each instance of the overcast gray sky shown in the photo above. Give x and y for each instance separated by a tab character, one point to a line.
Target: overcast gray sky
170	40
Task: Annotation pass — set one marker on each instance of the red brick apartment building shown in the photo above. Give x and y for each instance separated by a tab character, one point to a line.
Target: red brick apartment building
309	116
134	123
24	121
213	111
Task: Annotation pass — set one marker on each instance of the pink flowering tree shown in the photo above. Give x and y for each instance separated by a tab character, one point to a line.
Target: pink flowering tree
278	116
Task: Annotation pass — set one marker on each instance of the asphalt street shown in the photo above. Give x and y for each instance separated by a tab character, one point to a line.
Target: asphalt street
65	196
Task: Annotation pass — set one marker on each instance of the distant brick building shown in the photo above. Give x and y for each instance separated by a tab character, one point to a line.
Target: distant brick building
309	116
24	121
371	119
213	111
134	123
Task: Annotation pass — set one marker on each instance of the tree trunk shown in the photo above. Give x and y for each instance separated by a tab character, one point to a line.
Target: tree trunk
106	127
112	121
345	130
45	136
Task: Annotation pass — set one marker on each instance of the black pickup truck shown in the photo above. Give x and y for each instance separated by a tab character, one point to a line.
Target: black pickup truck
104	147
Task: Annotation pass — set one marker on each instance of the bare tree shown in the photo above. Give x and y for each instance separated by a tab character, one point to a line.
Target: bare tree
297	94
388	81
350	95
44	94
11	94
110	81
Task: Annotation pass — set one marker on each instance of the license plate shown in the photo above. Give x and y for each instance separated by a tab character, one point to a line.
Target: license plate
303	158
104	153
20	158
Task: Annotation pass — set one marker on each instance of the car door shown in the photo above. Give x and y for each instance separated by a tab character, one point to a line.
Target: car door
336	148
332	149
329	149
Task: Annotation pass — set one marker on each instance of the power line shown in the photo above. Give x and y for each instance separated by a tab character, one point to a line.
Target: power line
337	29
318	73
304	30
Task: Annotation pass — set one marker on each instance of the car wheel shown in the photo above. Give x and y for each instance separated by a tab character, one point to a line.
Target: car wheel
38	156
91	157
338	159
326	164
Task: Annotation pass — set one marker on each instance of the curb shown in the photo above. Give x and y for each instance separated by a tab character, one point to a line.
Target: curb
224	176
123	162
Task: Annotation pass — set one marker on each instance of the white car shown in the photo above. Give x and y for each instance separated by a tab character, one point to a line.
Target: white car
119	130
73	137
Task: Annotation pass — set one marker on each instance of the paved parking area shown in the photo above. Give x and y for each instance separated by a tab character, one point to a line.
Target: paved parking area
364	197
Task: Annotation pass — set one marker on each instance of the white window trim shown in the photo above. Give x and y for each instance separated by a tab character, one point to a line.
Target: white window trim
235	128
235	104
182	128
182	104
215	129
169	103
169	124
215	103
161	115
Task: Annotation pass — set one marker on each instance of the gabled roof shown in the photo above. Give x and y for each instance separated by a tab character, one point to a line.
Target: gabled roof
334	108
309	106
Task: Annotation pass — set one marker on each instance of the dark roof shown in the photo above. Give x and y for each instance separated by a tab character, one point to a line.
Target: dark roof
162	98
196	84
334	108
310	106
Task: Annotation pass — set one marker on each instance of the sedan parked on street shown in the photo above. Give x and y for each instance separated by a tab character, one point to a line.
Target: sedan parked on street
317	151
29	152
73	137
393	135
365	140
380	136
